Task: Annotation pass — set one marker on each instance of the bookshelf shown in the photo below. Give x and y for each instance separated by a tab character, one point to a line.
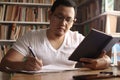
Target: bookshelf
22	16
26	4
7	42
23	23
103	15
19	16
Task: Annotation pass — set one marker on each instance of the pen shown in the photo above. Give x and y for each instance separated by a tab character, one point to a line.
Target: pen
31	51
104	72
94	76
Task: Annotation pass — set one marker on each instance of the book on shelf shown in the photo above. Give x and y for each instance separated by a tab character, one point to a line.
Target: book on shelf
118	25
1	52
92	45
8	13
3	31
117	5
2	12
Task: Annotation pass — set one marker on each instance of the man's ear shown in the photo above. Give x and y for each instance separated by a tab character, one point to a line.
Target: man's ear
49	14
75	20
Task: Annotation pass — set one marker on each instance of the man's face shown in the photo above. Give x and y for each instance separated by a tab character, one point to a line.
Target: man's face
61	20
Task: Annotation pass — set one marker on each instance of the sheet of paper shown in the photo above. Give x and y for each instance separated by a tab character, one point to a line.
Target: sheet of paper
51	68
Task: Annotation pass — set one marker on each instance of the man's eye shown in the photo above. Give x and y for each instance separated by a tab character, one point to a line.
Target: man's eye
68	19
60	17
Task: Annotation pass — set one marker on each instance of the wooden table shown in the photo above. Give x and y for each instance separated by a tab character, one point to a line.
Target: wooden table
63	75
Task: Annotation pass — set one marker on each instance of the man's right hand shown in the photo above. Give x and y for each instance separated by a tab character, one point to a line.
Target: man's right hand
32	64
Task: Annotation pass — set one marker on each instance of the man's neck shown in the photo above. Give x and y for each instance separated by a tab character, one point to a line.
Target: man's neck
52	36
56	41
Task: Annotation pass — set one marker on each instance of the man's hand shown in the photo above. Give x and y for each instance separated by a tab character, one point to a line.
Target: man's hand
100	63
32	64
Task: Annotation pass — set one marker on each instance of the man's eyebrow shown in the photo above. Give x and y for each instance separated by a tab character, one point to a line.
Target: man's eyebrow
60	14
68	17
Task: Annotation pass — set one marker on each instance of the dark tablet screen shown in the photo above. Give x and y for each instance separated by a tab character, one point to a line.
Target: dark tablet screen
92	45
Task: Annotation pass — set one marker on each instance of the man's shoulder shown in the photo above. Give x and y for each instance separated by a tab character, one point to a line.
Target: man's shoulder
35	33
73	32
75	35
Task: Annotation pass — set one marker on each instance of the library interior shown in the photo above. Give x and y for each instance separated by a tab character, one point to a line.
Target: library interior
17	17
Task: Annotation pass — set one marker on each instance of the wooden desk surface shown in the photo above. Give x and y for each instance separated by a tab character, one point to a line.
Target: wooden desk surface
64	75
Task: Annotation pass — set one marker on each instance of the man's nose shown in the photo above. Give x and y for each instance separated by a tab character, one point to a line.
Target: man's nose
63	21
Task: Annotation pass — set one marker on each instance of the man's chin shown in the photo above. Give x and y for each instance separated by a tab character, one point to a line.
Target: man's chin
60	34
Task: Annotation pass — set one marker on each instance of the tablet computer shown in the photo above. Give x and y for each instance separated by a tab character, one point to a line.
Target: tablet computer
92	45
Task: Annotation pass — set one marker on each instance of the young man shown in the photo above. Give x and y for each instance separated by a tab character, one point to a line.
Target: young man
53	45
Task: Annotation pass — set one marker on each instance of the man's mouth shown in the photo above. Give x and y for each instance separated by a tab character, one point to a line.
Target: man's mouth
61	28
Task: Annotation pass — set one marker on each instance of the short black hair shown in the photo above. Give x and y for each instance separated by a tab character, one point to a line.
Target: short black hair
68	3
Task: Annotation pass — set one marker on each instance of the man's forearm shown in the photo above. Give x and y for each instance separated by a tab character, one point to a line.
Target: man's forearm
12	65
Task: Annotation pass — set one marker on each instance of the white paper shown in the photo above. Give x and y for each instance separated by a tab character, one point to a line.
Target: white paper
51	68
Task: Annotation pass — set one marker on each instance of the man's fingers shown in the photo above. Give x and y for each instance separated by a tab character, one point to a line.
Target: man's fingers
102	54
86	60
39	62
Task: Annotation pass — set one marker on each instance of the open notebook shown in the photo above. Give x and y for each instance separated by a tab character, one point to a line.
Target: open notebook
45	69
51	68
92	45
